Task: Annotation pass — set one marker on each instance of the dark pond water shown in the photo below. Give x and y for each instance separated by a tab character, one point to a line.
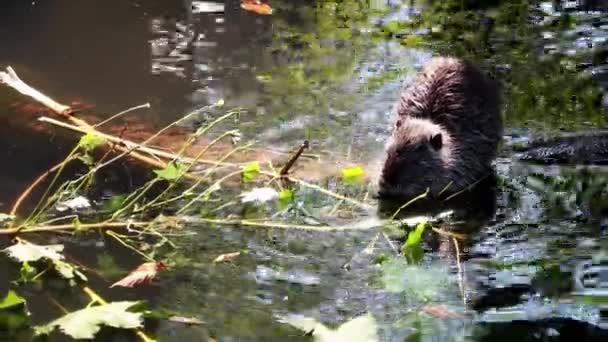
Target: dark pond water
330	72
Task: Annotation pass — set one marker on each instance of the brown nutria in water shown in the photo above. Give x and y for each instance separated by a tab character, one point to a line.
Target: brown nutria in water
446	131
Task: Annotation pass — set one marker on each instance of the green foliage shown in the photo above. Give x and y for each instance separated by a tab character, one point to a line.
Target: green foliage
360	329
174	171
546	92
412	248
90	141
85	323
250	171
114	203
13	314
26	253
27	272
11	301
353	175
286	197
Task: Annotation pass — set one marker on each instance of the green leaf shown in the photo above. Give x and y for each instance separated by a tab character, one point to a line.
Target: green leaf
172	172
11	300
415	236
353	174
68	271
90	141
412	249
85	323
361	329
27	272
26	251
77	224
251	171
286	196
412	40
114	203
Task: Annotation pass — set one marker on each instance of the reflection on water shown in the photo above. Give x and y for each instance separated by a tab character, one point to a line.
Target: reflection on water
302	71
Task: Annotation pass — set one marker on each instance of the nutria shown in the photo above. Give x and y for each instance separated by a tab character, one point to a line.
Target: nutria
445	134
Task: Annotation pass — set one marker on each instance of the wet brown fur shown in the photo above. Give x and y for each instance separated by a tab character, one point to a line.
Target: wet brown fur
458	106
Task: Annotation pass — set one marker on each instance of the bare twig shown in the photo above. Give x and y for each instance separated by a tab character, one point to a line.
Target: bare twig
10	78
293	159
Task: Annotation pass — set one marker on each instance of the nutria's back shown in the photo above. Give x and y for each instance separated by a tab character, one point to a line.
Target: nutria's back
446	131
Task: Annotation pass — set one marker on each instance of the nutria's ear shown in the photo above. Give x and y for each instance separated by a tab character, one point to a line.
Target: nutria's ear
436	141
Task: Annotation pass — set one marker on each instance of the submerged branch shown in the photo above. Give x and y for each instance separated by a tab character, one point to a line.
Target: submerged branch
70	226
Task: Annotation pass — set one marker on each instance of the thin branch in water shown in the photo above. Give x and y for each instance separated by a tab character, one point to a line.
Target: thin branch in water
293	159
408	203
35	183
145	105
460	271
62	227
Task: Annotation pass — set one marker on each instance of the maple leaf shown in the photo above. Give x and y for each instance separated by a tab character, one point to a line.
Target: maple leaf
85	323
256	6
360	329
141	275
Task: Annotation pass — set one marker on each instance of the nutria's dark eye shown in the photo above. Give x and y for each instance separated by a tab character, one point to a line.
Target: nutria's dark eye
436	141
398	123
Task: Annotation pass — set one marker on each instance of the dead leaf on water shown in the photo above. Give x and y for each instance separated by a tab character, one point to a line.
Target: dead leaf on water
226	257
256	6
186	320
439	311
142	275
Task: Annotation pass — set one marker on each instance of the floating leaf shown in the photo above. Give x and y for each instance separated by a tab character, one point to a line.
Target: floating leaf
74	204
260	195
353	174
142	275
186	320
172	172
256	6
26	251
85	323
226	257
5	218
11	300
264	77
251	171
360	329
90	141
439	311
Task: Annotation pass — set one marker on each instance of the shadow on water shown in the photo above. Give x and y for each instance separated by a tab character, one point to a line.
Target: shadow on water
532	266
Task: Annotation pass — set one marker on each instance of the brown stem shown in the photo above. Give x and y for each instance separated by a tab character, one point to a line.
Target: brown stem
293	159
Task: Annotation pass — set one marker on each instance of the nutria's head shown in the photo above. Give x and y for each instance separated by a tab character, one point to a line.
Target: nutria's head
418	156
